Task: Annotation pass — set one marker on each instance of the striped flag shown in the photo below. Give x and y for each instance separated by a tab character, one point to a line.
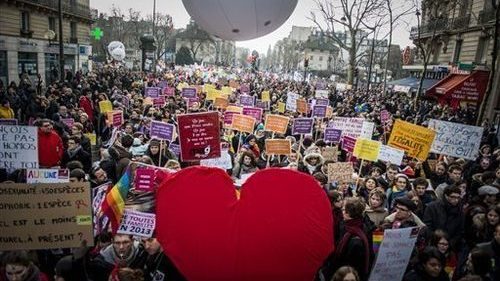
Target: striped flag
114	204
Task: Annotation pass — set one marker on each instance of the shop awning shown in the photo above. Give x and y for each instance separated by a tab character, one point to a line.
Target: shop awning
449	82
410	84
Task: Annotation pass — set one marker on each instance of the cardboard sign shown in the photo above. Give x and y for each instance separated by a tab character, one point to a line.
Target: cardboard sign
254	112
228	118
199	136
319	111
353	127
233	108
302	106
162	131
302	126
45	216
92	137
159	102
330	153
291	101
247	100
457	140
385	116
227	90
68	122
19	147
332	135
224	161
340	172
391	155
243	123
169	91
144	178
276	123
13	122
152	92
348	144
281	107
329	112
221	103
394	254
189	93
47	175
415	140
266	96
105	106
265	105
278	147
321	94
137	223
233	84
366	149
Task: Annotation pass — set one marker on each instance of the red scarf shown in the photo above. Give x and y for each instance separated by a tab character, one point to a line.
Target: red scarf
354	228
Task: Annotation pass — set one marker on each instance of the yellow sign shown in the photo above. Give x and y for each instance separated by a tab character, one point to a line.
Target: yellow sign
281	107
415	140
227	90
182	86
105	106
366	149
92	138
233	108
266	96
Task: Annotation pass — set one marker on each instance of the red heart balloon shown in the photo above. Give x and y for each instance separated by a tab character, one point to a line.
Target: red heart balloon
281	227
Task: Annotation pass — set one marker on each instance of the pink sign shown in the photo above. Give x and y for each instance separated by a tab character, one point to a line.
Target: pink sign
144	179
199	135
117	118
348	144
254	112
385	116
160	101
68	121
228	118
169	91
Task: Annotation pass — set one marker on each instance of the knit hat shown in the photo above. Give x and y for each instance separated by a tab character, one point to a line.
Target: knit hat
487	190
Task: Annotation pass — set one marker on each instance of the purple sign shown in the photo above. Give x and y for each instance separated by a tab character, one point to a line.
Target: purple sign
68	121
262	104
348	144
319	111
247	100
160	101
189	93
332	135
162	84
152	92
169	91
302	126
126	101
162	130
322	102
254	112
175	148
8	121
144	179
244	89
228	118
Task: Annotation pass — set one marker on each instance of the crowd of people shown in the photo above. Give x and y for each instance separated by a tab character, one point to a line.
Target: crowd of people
453	202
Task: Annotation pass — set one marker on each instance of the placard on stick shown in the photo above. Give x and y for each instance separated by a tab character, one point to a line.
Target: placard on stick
243	123
415	140
278	147
340	172
276	123
199	136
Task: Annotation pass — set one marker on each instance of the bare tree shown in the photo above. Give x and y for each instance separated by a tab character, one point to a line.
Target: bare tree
195	37
164	29
352	15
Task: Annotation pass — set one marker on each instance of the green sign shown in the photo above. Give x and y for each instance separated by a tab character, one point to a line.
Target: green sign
466	66
97	33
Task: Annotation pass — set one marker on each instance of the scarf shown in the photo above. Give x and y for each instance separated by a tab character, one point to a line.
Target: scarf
72	152
354	228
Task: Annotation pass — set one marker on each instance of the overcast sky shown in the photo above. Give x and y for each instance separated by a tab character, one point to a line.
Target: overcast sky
180	17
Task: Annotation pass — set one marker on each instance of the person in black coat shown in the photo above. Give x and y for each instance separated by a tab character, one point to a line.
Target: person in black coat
430	267
158	266
75	152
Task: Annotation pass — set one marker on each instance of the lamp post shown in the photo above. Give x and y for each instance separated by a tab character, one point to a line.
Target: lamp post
61	46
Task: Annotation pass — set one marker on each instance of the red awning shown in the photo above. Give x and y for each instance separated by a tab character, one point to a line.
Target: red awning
450	82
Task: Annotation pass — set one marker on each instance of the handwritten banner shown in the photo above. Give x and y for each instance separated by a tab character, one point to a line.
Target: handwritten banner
137	223
302	126
457	140
352	127
278	147
366	149
415	140
276	123
291	101
391	155
19	147
45	216
340	172
330	153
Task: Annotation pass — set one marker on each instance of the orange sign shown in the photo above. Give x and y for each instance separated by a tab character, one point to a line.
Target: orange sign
233	108
302	106
221	103
233	84
243	123
276	123
278	147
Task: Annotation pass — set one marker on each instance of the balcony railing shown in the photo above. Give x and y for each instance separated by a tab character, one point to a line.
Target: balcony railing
460	22
68	7
439	25
486	16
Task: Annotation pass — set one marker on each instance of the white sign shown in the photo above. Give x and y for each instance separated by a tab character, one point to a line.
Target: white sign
391	155
224	161
321	94
353	127
457	140
291	101
47	175
367	130
137	223
394	254
18	147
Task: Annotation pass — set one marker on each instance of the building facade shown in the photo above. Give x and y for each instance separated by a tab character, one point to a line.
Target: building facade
29	36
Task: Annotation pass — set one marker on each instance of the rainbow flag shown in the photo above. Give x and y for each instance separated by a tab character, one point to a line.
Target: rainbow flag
114	204
377	237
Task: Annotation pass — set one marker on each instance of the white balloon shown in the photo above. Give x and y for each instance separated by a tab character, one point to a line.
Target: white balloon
240	20
115	45
118	54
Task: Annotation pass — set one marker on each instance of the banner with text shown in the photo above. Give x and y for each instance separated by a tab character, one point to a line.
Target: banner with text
457	140
415	140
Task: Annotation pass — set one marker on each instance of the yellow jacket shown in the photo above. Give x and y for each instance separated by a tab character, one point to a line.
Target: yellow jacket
6	113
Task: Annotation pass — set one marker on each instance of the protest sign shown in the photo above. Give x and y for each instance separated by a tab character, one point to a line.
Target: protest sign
385	116
126	101
137	223
367	130
291	101
415	140
68	122
332	135
276	123
348	144
228	118
457	140
19	147
330	153
162	130
8	122
278	147
159	101
391	155
319	111
302	126
321	94
105	106
265	96
189	93
243	123
329	112
221	103
247	100
302	106
92	137
265	105
199	136
45	216
169	91
244	89
227	90
281	107
175	148
152	92
47	175
234	108
324	102
256	113
233	84
224	161
394	254
115	117
144	178
366	149
100	220
162	84
340	172
351	127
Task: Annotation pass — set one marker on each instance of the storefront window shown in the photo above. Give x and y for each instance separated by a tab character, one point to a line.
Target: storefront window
69	63
51	67
3	68
27	63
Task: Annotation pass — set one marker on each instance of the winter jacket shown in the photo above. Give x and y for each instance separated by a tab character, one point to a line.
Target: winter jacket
100	268
160	267
33	274
392	194
6	113
376	215
442	215
419	274
493	249
78	155
86	104
50	149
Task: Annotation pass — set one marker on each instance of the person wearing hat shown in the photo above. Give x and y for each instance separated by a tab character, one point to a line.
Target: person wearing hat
489	194
403	215
312	163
